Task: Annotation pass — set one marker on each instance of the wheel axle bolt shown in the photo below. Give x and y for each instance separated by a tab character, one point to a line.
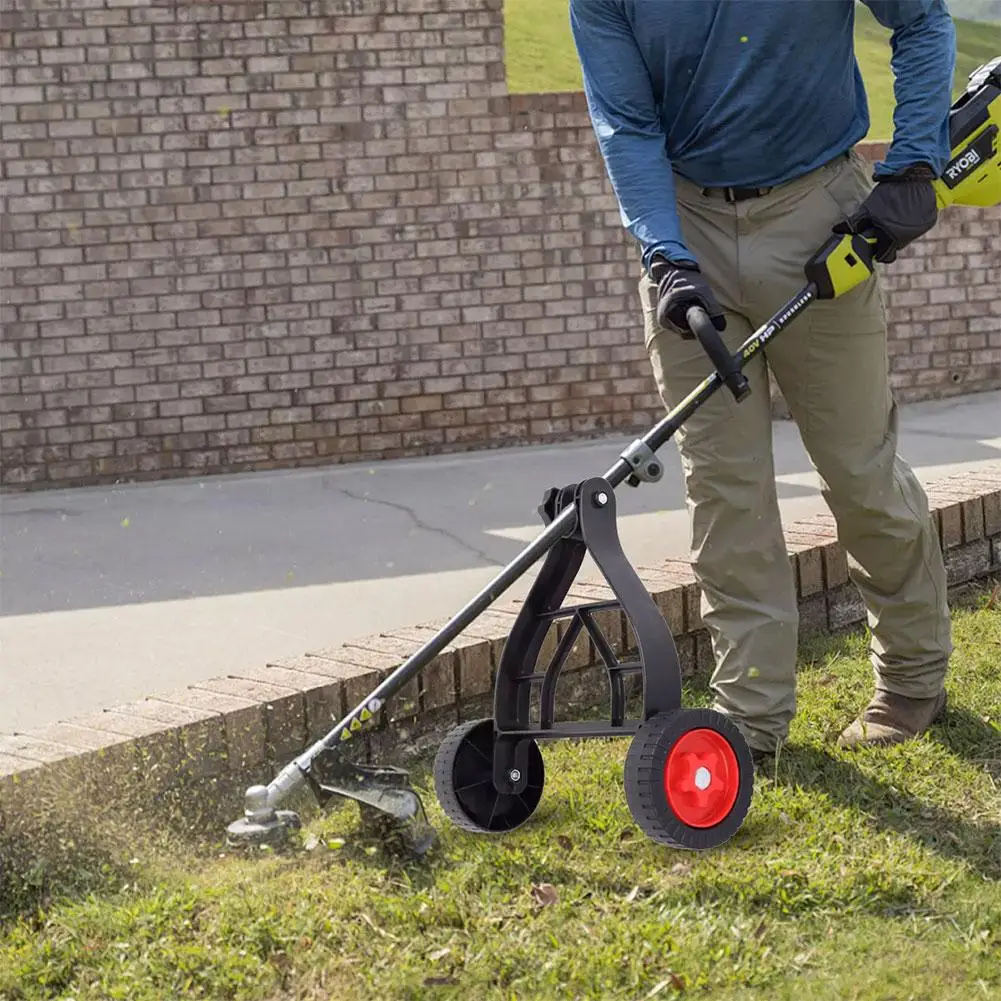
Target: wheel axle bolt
703	777
514	775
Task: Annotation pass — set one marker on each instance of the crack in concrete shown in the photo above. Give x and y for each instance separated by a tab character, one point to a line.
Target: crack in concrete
424	526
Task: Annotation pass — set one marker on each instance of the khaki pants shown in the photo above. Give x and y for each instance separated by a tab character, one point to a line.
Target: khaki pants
831	365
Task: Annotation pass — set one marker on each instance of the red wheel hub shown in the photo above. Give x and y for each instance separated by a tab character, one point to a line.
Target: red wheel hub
701	778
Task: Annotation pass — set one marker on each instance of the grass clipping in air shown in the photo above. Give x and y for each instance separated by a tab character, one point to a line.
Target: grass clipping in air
870	876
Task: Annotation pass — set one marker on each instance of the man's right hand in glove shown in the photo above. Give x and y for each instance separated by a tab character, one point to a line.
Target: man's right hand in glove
681	285
900	209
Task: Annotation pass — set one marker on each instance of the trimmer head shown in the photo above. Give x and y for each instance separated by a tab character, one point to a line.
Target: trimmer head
261	824
390	808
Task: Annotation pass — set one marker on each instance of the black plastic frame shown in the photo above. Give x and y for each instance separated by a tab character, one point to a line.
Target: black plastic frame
593	530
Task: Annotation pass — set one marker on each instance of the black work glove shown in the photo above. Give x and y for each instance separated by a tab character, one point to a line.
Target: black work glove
900	209
681	285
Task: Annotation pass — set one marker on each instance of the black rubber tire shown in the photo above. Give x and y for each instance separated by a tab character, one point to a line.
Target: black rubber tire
644	779
463	781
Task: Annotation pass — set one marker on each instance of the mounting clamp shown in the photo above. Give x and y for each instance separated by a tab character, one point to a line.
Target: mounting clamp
647	468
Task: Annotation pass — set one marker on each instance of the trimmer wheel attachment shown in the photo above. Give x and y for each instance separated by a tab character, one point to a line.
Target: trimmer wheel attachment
464	781
689	778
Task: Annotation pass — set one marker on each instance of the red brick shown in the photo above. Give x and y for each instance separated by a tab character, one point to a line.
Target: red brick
285	711
438	681
73	734
322	698
948	517
243	721
369	668
973	519
681	572
202	751
822	524
807	550
992	513
835	562
669	597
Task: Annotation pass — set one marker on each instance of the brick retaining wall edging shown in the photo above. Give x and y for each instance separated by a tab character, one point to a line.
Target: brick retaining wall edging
245	725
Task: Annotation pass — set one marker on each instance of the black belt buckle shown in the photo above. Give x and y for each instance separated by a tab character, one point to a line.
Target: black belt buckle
743	194
736	194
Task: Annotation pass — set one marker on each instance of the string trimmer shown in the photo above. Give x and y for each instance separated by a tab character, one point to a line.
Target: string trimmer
688	774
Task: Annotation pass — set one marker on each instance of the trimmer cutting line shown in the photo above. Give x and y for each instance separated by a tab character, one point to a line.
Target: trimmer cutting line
688	773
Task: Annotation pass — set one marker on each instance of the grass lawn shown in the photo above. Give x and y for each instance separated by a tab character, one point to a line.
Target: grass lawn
541	56
872	877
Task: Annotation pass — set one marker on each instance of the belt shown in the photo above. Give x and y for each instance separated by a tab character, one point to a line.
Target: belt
744	194
735	194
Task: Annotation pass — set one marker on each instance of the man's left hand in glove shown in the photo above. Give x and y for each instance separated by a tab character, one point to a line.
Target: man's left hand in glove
901	208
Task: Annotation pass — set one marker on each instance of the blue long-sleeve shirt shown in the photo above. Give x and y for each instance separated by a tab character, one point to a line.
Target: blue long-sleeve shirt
748	93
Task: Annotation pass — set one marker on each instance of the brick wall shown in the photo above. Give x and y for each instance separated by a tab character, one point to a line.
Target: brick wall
244	235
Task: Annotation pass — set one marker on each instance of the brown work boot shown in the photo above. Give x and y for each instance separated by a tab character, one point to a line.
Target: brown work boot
892	719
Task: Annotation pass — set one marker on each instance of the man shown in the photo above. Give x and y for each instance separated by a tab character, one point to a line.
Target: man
727	130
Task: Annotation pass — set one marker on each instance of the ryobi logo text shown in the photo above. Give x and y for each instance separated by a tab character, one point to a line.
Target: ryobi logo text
966	162
978	153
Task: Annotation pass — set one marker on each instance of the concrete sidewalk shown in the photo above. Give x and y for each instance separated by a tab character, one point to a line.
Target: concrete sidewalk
111	594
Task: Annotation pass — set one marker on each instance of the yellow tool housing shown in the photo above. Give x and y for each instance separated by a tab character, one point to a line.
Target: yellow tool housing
971	177
973	174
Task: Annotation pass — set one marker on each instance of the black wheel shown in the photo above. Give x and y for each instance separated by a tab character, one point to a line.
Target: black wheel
689	778
464	781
